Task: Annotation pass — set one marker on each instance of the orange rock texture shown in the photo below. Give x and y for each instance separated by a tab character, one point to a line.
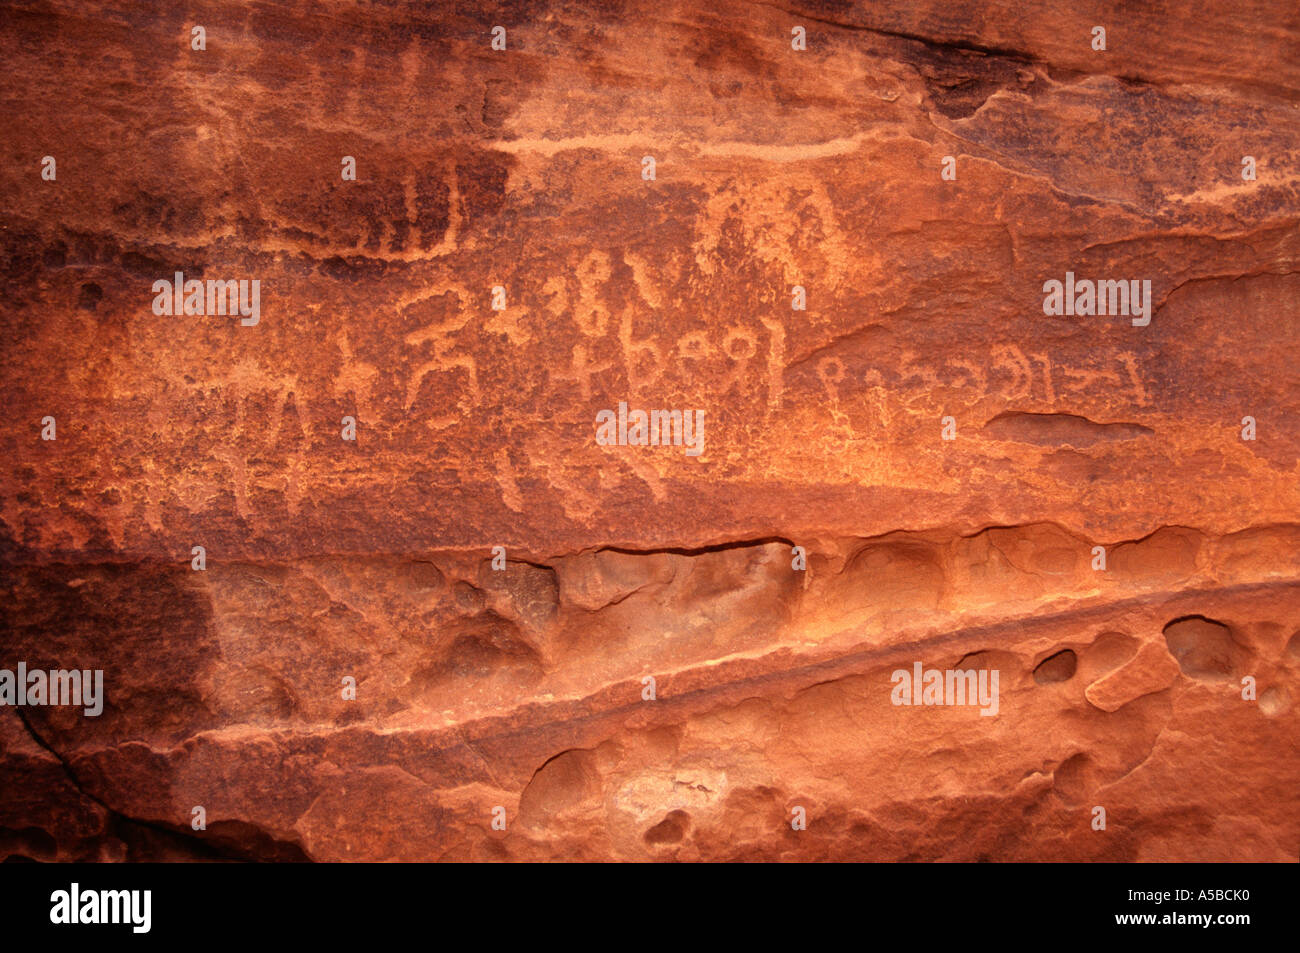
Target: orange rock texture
826	234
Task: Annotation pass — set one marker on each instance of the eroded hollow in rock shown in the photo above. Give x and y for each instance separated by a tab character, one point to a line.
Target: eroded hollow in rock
670	830
1057	668
1074	778
1202	647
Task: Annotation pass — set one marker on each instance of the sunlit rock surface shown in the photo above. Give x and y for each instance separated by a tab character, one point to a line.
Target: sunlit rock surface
527	688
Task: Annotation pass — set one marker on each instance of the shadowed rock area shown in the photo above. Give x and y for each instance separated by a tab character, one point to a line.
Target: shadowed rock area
679	653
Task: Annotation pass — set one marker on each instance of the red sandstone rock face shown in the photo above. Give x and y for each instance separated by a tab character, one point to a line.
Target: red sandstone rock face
525	689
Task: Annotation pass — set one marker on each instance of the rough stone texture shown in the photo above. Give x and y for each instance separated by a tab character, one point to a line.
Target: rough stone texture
523	688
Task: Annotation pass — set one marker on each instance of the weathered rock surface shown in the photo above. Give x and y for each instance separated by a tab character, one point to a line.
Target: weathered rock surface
523	689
